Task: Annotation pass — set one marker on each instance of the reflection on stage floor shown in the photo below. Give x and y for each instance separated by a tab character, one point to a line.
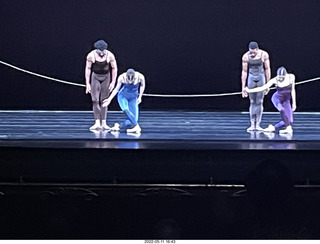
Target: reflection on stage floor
160	130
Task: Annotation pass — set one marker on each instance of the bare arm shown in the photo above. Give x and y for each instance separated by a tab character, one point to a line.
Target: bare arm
244	74
261	88
142	88
293	93
116	89
114	71
89	62
267	68
107	101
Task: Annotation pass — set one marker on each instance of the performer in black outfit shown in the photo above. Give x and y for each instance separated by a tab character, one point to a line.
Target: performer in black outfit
100	73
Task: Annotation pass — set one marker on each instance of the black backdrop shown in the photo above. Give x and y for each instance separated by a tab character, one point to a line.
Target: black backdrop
182	47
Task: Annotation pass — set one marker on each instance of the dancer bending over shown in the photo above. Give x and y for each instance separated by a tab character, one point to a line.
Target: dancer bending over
255	72
99	81
131	85
285	84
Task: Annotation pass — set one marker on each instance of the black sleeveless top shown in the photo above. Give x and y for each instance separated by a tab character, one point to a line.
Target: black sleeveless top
100	67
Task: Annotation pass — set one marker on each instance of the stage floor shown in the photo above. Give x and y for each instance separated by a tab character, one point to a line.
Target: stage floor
160	130
175	147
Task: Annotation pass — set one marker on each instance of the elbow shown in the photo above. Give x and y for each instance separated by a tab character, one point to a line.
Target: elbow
244	76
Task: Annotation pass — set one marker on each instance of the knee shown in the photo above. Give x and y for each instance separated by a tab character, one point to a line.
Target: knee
252	101
104	96
126	110
95	102
259	103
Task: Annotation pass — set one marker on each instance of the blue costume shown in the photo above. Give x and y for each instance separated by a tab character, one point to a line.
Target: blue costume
130	88
127	99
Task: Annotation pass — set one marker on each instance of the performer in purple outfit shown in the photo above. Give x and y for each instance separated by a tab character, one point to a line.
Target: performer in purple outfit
281	99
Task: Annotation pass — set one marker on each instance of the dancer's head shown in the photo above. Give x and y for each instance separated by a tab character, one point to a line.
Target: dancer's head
253	48
101	47
281	73
130	75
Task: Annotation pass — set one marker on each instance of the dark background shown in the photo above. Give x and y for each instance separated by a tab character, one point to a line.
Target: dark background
182	47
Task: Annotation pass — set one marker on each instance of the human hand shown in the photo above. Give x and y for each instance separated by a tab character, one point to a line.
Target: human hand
111	86
106	102
266	91
88	88
244	92
139	100
294	107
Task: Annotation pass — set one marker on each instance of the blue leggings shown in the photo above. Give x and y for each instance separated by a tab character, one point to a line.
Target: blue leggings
129	106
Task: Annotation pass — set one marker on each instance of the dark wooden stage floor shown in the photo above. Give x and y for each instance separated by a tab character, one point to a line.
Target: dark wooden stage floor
174	147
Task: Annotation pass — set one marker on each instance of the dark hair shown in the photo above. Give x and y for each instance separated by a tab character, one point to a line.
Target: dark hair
101	45
281	71
130	71
253	45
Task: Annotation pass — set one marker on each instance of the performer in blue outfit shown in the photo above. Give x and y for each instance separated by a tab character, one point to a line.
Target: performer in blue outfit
281	99
255	73
130	87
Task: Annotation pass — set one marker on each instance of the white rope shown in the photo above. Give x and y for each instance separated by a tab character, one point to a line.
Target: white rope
221	94
145	94
42	76
194	95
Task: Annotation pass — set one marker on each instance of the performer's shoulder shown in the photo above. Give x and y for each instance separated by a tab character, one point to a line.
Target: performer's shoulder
110	54
273	80
265	54
245	57
122	76
140	75
292	76
90	56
